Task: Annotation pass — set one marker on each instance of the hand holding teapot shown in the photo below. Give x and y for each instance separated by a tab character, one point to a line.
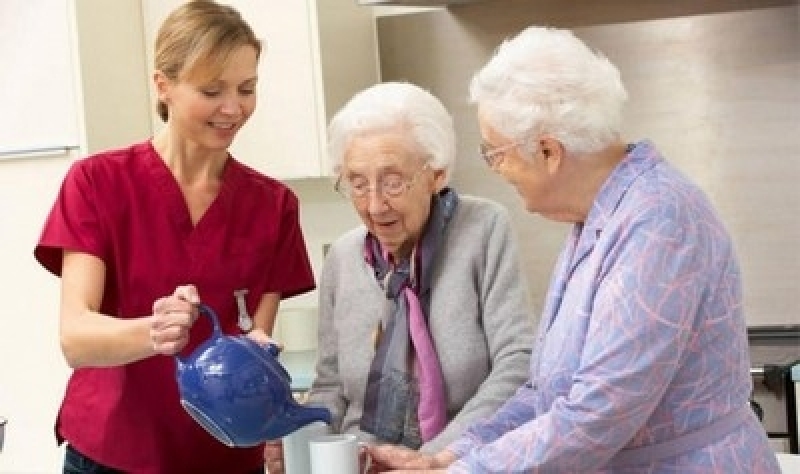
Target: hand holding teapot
172	319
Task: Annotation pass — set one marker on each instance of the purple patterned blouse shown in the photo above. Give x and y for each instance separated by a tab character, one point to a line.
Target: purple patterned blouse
642	343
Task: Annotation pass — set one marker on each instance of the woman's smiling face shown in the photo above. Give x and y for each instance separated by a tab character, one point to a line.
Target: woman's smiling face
210	112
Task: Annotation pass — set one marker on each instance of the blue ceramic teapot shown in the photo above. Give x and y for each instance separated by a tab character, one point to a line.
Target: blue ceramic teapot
238	390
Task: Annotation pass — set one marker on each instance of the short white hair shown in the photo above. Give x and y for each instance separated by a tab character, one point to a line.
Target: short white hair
395	106
547	81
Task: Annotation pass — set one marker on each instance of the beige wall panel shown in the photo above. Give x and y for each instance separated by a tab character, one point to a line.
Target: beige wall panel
717	88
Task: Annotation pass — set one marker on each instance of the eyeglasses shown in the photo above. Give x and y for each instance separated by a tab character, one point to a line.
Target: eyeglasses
492	155
390	185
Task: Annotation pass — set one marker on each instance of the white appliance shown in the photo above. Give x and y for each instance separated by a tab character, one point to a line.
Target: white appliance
296	329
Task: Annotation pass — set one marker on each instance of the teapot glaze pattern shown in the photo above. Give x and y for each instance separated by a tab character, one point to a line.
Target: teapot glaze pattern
238	390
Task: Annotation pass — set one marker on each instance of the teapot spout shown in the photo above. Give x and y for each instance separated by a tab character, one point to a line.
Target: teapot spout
296	417
310	414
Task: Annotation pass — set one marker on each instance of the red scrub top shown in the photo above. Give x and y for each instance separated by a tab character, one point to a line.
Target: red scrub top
125	207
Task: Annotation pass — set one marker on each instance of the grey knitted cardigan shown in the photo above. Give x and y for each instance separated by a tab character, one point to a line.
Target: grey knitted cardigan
480	321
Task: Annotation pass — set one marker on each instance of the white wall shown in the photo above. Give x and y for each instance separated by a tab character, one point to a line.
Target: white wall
113	108
32	371
324	216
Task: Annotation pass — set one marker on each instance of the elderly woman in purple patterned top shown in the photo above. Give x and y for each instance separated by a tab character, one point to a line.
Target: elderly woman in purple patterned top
641	362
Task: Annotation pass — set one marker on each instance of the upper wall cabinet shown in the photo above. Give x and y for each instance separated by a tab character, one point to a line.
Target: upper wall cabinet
317	54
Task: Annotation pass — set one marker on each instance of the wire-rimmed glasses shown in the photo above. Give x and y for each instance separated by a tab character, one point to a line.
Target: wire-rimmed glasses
390	185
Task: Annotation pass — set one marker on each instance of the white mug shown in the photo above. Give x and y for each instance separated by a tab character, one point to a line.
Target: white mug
296	458
335	454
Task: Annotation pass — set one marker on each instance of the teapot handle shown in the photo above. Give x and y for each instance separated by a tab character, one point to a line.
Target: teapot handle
206	311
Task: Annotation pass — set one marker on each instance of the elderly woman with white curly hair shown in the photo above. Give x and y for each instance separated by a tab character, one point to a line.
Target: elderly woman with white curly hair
424	319
641	362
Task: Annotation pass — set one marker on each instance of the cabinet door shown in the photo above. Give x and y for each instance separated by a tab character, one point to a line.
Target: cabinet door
283	138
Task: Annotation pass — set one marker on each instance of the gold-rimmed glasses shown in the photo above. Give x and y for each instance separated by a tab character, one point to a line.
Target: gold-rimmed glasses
491	155
390	185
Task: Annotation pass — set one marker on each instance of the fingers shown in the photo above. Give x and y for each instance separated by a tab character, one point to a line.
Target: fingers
418	471
390	454
182	300
273	449
367	465
377	468
172	319
187	293
273	457
169	340
399	457
275	466
258	335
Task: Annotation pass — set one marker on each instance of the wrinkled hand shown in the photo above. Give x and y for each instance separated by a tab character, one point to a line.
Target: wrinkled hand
365	462
418	471
173	316
399	457
273	457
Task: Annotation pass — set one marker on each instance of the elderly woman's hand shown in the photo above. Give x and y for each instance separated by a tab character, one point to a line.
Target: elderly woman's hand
408	461
418	471
173	316
273	457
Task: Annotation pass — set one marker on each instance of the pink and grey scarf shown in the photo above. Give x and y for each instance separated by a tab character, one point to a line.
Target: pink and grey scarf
405	400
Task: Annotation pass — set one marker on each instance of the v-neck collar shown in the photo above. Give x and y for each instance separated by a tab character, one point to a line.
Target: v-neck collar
174	200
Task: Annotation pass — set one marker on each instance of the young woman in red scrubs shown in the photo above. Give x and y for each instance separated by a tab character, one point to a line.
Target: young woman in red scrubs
141	234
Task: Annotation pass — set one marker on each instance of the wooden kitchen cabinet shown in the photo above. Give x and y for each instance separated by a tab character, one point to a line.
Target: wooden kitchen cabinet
317	54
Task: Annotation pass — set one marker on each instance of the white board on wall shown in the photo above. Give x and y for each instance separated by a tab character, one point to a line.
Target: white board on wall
38	109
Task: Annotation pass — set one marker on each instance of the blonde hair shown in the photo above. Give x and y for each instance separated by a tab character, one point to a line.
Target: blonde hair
196	41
